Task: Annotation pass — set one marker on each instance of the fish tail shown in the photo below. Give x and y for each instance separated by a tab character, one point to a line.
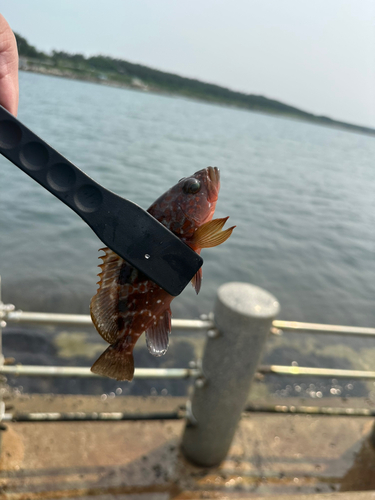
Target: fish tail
116	362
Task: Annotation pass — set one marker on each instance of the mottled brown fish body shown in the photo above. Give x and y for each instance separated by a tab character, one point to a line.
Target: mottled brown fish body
127	303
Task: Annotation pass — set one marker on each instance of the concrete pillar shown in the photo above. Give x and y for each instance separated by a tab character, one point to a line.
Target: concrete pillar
243	318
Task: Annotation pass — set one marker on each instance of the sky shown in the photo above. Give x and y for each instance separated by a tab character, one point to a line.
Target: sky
318	56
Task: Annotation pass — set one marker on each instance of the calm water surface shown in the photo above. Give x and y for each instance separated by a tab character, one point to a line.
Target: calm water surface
302	197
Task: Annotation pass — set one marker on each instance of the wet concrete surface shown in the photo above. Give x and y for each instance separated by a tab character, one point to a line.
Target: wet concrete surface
271	454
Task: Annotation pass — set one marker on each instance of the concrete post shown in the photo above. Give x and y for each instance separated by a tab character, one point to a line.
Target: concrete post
243	318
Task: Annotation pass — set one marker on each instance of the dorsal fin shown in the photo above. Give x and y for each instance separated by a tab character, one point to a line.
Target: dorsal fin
104	305
157	336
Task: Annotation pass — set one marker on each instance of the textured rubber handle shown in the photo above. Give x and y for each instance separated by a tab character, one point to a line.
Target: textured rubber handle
122	225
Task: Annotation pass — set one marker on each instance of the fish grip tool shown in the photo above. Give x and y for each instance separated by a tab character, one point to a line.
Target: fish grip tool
120	224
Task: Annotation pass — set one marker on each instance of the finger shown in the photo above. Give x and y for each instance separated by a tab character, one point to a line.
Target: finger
8	68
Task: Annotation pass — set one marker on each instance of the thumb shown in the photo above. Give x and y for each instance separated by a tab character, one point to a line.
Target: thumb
8	68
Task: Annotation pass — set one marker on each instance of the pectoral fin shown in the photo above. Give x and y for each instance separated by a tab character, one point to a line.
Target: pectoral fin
197	280
157	336
210	234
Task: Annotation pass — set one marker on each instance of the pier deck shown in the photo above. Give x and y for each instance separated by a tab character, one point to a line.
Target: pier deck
272	454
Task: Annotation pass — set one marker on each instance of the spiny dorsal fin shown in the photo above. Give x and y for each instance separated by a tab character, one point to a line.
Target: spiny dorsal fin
104	305
157	336
210	234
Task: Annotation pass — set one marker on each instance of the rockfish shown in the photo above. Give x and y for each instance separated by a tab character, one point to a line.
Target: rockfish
127	303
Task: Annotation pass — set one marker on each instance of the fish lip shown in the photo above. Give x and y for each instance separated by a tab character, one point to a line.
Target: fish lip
213	185
214	174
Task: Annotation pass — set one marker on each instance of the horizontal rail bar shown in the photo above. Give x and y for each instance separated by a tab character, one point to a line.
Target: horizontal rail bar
316	372
85	319
308	410
71	371
176	415
77	371
51	318
183	324
320	328
88	416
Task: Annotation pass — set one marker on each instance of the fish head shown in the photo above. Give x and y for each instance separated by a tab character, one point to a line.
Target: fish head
188	204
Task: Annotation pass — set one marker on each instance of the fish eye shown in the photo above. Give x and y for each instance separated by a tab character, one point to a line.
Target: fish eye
191	186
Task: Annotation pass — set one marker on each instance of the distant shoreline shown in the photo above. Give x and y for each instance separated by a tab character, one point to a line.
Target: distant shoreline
119	73
108	83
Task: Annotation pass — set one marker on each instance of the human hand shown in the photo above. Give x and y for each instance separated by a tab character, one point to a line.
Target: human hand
8	68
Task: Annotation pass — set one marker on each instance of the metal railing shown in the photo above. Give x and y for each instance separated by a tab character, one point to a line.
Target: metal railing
83	372
250	314
316	372
300	327
8	314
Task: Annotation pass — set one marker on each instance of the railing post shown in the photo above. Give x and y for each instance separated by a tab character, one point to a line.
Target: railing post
243	319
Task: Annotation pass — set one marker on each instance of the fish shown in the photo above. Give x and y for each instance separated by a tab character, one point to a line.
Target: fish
127	303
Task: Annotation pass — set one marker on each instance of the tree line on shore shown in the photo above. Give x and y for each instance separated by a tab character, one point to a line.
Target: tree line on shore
121	71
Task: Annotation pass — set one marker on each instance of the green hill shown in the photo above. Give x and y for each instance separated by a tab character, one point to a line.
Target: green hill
108	70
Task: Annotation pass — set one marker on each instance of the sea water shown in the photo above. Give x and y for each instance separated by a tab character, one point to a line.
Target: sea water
301	196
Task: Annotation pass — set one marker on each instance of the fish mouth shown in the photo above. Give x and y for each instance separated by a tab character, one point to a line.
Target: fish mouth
213	184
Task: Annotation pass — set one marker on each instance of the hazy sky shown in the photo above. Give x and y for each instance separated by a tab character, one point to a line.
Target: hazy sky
319	56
